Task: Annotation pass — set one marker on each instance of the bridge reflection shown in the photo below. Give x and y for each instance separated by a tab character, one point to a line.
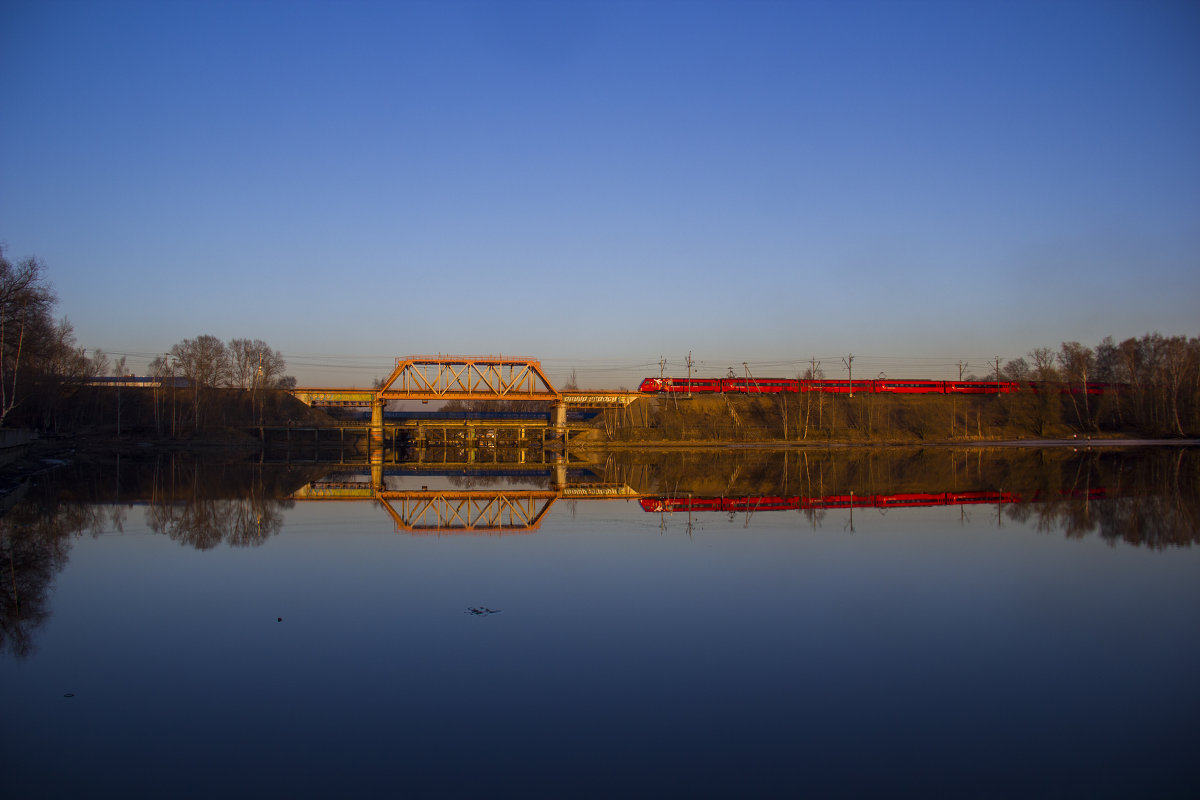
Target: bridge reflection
515	510
446	511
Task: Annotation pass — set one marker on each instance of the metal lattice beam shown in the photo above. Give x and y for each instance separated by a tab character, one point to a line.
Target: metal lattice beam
463	377
461	512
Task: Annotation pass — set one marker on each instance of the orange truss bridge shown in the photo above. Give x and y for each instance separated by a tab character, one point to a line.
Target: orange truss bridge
450	511
445	377
468	378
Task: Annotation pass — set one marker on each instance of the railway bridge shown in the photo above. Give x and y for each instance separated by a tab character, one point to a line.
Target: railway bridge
447	510
445	377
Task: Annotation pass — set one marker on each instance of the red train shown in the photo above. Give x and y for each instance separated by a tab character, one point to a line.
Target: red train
880	386
835	501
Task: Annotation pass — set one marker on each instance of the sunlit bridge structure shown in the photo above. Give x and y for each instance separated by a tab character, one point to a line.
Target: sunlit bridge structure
458	511
446	377
468	378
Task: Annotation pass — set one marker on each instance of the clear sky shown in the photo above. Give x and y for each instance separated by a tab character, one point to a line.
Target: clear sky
599	185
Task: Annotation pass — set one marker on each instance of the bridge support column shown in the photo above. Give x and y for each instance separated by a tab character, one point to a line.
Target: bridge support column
560	472
559	417
375	440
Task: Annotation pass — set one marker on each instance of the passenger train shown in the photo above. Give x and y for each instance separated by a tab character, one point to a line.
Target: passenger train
880	386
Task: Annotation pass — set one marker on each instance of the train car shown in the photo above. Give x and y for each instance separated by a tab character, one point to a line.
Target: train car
880	386
677	385
759	385
884	386
910	500
965	498
837	387
981	387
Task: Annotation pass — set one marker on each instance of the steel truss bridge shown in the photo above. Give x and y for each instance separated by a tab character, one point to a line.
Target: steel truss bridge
451	511
445	377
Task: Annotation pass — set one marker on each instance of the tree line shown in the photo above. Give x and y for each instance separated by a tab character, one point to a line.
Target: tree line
1153	389
42	369
44	373
1159	379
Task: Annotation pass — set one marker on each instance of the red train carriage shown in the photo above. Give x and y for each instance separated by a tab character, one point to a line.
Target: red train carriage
881	386
884	386
981	387
838	387
759	386
680	385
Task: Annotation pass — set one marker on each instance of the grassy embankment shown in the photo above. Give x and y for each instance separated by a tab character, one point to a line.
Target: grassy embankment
866	418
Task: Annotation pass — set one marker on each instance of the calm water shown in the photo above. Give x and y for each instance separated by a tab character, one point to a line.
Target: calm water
189	629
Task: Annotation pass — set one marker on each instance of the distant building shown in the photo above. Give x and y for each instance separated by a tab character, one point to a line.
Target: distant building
137	382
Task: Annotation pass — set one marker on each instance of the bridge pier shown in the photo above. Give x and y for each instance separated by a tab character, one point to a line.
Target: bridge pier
376	439
560	472
559	418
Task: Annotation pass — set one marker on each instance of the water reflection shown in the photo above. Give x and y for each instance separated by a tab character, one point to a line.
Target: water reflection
198	502
1147	498
204	523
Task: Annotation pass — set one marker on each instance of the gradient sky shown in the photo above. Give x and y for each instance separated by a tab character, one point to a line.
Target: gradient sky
599	185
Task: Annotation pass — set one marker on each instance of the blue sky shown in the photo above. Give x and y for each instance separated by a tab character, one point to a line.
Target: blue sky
599	185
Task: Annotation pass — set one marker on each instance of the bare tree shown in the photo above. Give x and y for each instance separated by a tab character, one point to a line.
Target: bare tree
204	361
163	373
25	304
1047	397
1078	363
1016	370
255	367
1177	363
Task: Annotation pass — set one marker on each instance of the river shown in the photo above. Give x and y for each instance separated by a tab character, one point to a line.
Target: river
953	622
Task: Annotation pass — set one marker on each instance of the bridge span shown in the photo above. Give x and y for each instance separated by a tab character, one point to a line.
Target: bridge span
445	377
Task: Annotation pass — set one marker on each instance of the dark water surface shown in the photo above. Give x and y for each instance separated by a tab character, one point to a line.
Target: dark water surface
194	629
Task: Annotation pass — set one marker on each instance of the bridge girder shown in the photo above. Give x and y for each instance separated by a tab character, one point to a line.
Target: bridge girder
465	378
467	512
448	511
468	377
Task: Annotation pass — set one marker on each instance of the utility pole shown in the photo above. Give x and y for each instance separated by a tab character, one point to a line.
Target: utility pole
954	401
662	367
689	378
816	365
849	362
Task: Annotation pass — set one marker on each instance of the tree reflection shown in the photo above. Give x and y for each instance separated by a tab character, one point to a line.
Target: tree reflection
196	502
204	524
1145	497
35	542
